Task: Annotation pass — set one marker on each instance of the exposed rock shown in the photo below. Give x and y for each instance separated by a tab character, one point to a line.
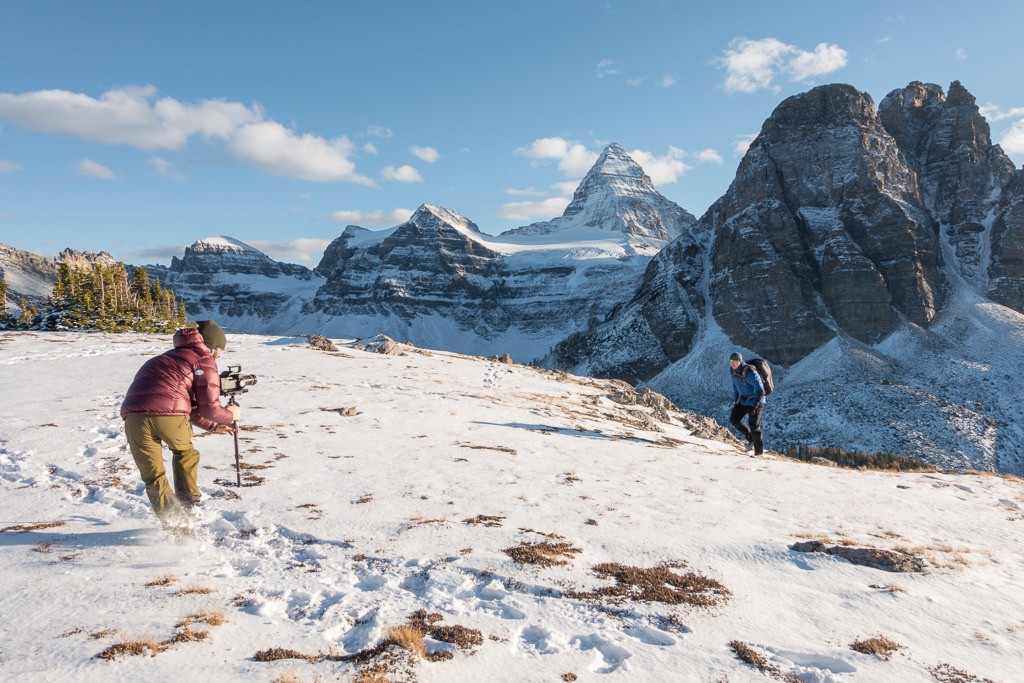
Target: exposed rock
321	343
960	173
822	228
886	560
383	344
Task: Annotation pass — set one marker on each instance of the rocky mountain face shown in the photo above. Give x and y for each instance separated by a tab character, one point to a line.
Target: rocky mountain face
844	228
223	278
961	177
835	225
617	195
32	276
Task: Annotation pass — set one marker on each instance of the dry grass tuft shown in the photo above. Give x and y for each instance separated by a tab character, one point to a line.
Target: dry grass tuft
185	634
656	584
545	554
947	673
750	656
485	520
409	638
461	636
132	647
202	617
23	528
880	645
165	580
193	589
277	653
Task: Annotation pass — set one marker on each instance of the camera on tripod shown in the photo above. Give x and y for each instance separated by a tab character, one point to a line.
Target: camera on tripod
232	381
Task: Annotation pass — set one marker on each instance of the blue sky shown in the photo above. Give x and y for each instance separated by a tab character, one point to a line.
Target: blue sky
140	127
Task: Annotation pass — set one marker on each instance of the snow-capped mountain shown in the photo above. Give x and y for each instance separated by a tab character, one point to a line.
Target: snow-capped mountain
223	278
437	280
617	195
858	260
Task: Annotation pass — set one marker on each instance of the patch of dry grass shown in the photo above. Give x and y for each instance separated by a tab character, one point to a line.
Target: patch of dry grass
545	553
274	654
750	656
131	648
947	673
193	589
485	520
23	528
879	645
656	584
165	580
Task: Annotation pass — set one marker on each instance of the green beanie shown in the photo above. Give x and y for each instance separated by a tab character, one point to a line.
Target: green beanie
213	336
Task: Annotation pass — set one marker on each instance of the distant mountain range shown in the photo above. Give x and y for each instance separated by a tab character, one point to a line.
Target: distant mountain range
875	256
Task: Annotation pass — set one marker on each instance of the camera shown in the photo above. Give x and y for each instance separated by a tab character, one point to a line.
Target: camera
232	381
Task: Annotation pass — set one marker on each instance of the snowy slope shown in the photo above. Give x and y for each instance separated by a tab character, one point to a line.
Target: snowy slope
360	520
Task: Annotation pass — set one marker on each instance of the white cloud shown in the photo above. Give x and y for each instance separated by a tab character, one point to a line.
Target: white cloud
370	148
427	154
134	116
993	112
91	169
662	169
304	250
709	156
402	174
279	151
8	166
525	192
573	158
124	116
961	54
376	219
166	168
753	65
742	143
668	81
824	60
608	67
379	132
1013	141
547	208
568	188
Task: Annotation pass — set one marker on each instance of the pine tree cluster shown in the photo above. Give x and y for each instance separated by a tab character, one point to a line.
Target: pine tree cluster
857	459
107	298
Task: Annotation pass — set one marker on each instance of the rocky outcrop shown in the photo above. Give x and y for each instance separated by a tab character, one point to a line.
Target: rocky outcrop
1006	251
960	173
821	232
616	195
237	284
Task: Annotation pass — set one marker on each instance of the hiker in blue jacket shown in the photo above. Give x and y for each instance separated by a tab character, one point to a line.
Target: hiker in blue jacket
748	400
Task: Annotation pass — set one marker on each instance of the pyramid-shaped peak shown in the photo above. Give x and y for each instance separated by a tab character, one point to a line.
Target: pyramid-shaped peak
614	160
430	213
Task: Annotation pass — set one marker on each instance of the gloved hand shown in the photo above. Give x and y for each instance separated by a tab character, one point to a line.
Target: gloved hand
236	412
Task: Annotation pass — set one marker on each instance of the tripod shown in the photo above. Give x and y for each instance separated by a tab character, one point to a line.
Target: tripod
238	460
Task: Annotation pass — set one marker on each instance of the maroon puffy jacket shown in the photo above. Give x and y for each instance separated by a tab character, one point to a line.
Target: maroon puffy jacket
182	381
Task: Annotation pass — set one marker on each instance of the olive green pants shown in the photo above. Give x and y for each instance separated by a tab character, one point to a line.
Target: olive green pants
146	436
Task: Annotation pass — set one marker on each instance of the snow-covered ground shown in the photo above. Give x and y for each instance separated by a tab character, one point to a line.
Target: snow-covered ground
358	521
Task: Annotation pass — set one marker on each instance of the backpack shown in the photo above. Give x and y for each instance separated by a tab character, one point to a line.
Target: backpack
765	370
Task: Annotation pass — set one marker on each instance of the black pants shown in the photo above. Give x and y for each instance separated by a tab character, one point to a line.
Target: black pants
753	432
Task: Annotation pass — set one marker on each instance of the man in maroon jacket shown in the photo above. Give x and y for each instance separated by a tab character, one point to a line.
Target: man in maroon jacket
169	394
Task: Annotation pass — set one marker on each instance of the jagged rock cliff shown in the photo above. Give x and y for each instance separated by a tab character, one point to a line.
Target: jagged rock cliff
223	278
853	249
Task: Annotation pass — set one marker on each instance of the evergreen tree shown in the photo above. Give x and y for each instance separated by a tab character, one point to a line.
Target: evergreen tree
105	297
3	298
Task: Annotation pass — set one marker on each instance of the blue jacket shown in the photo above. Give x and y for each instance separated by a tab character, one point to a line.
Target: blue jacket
747	388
